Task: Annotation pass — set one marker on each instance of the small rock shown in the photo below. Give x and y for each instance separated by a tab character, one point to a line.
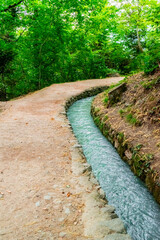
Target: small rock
77	146
38	204
61	219
69	204
57	201
1	195
87	168
94	180
62	234
67	211
102	193
128	154
2	232
116	144
47	197
113	215
116	225
108	208
63	113
46	209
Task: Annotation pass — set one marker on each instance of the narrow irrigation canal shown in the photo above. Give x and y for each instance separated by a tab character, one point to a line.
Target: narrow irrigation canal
134	204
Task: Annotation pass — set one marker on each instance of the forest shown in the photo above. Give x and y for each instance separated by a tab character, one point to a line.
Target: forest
48	41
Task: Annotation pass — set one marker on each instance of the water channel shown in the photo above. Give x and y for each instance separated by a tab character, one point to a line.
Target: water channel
132	200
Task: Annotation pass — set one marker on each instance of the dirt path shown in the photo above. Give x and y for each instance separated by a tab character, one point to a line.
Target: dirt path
40	194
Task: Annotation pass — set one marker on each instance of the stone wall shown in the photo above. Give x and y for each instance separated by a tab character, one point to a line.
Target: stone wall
88	93
115	94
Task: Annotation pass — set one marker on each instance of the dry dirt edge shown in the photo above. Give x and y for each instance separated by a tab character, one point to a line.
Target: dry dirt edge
44	194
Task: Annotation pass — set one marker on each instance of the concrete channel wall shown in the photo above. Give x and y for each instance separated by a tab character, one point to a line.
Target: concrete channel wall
100	220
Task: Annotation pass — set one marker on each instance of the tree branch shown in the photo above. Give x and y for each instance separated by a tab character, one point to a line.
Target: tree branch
7	38
12	6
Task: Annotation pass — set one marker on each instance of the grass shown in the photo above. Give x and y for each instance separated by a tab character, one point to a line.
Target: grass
97	110
150	84
131	119
105	118
106	99
129	116
121	112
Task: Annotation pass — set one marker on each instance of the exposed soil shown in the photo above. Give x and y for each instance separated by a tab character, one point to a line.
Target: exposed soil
137	115
40	195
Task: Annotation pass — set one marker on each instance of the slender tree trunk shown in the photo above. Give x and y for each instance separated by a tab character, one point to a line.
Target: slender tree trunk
137	29
40	64
4	94
139	41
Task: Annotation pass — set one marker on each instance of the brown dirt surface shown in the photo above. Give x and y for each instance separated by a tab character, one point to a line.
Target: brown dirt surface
137	115
40	196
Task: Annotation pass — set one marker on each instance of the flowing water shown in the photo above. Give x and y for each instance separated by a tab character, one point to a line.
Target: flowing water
133	202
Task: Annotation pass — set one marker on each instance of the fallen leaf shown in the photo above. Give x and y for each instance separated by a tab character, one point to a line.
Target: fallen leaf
69	194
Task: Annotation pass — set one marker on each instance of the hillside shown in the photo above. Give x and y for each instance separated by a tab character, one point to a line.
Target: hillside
133	126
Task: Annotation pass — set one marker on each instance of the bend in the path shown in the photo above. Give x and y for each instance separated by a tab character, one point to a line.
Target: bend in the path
40	198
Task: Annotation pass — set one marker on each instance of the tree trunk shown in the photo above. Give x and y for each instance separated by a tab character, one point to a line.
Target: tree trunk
3	93
139	42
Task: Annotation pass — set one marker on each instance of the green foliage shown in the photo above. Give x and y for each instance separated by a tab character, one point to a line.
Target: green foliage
105	118
45	42
150	84
97	110
138	147
121	112
129	116
106	99
141	162
132	120
120	137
